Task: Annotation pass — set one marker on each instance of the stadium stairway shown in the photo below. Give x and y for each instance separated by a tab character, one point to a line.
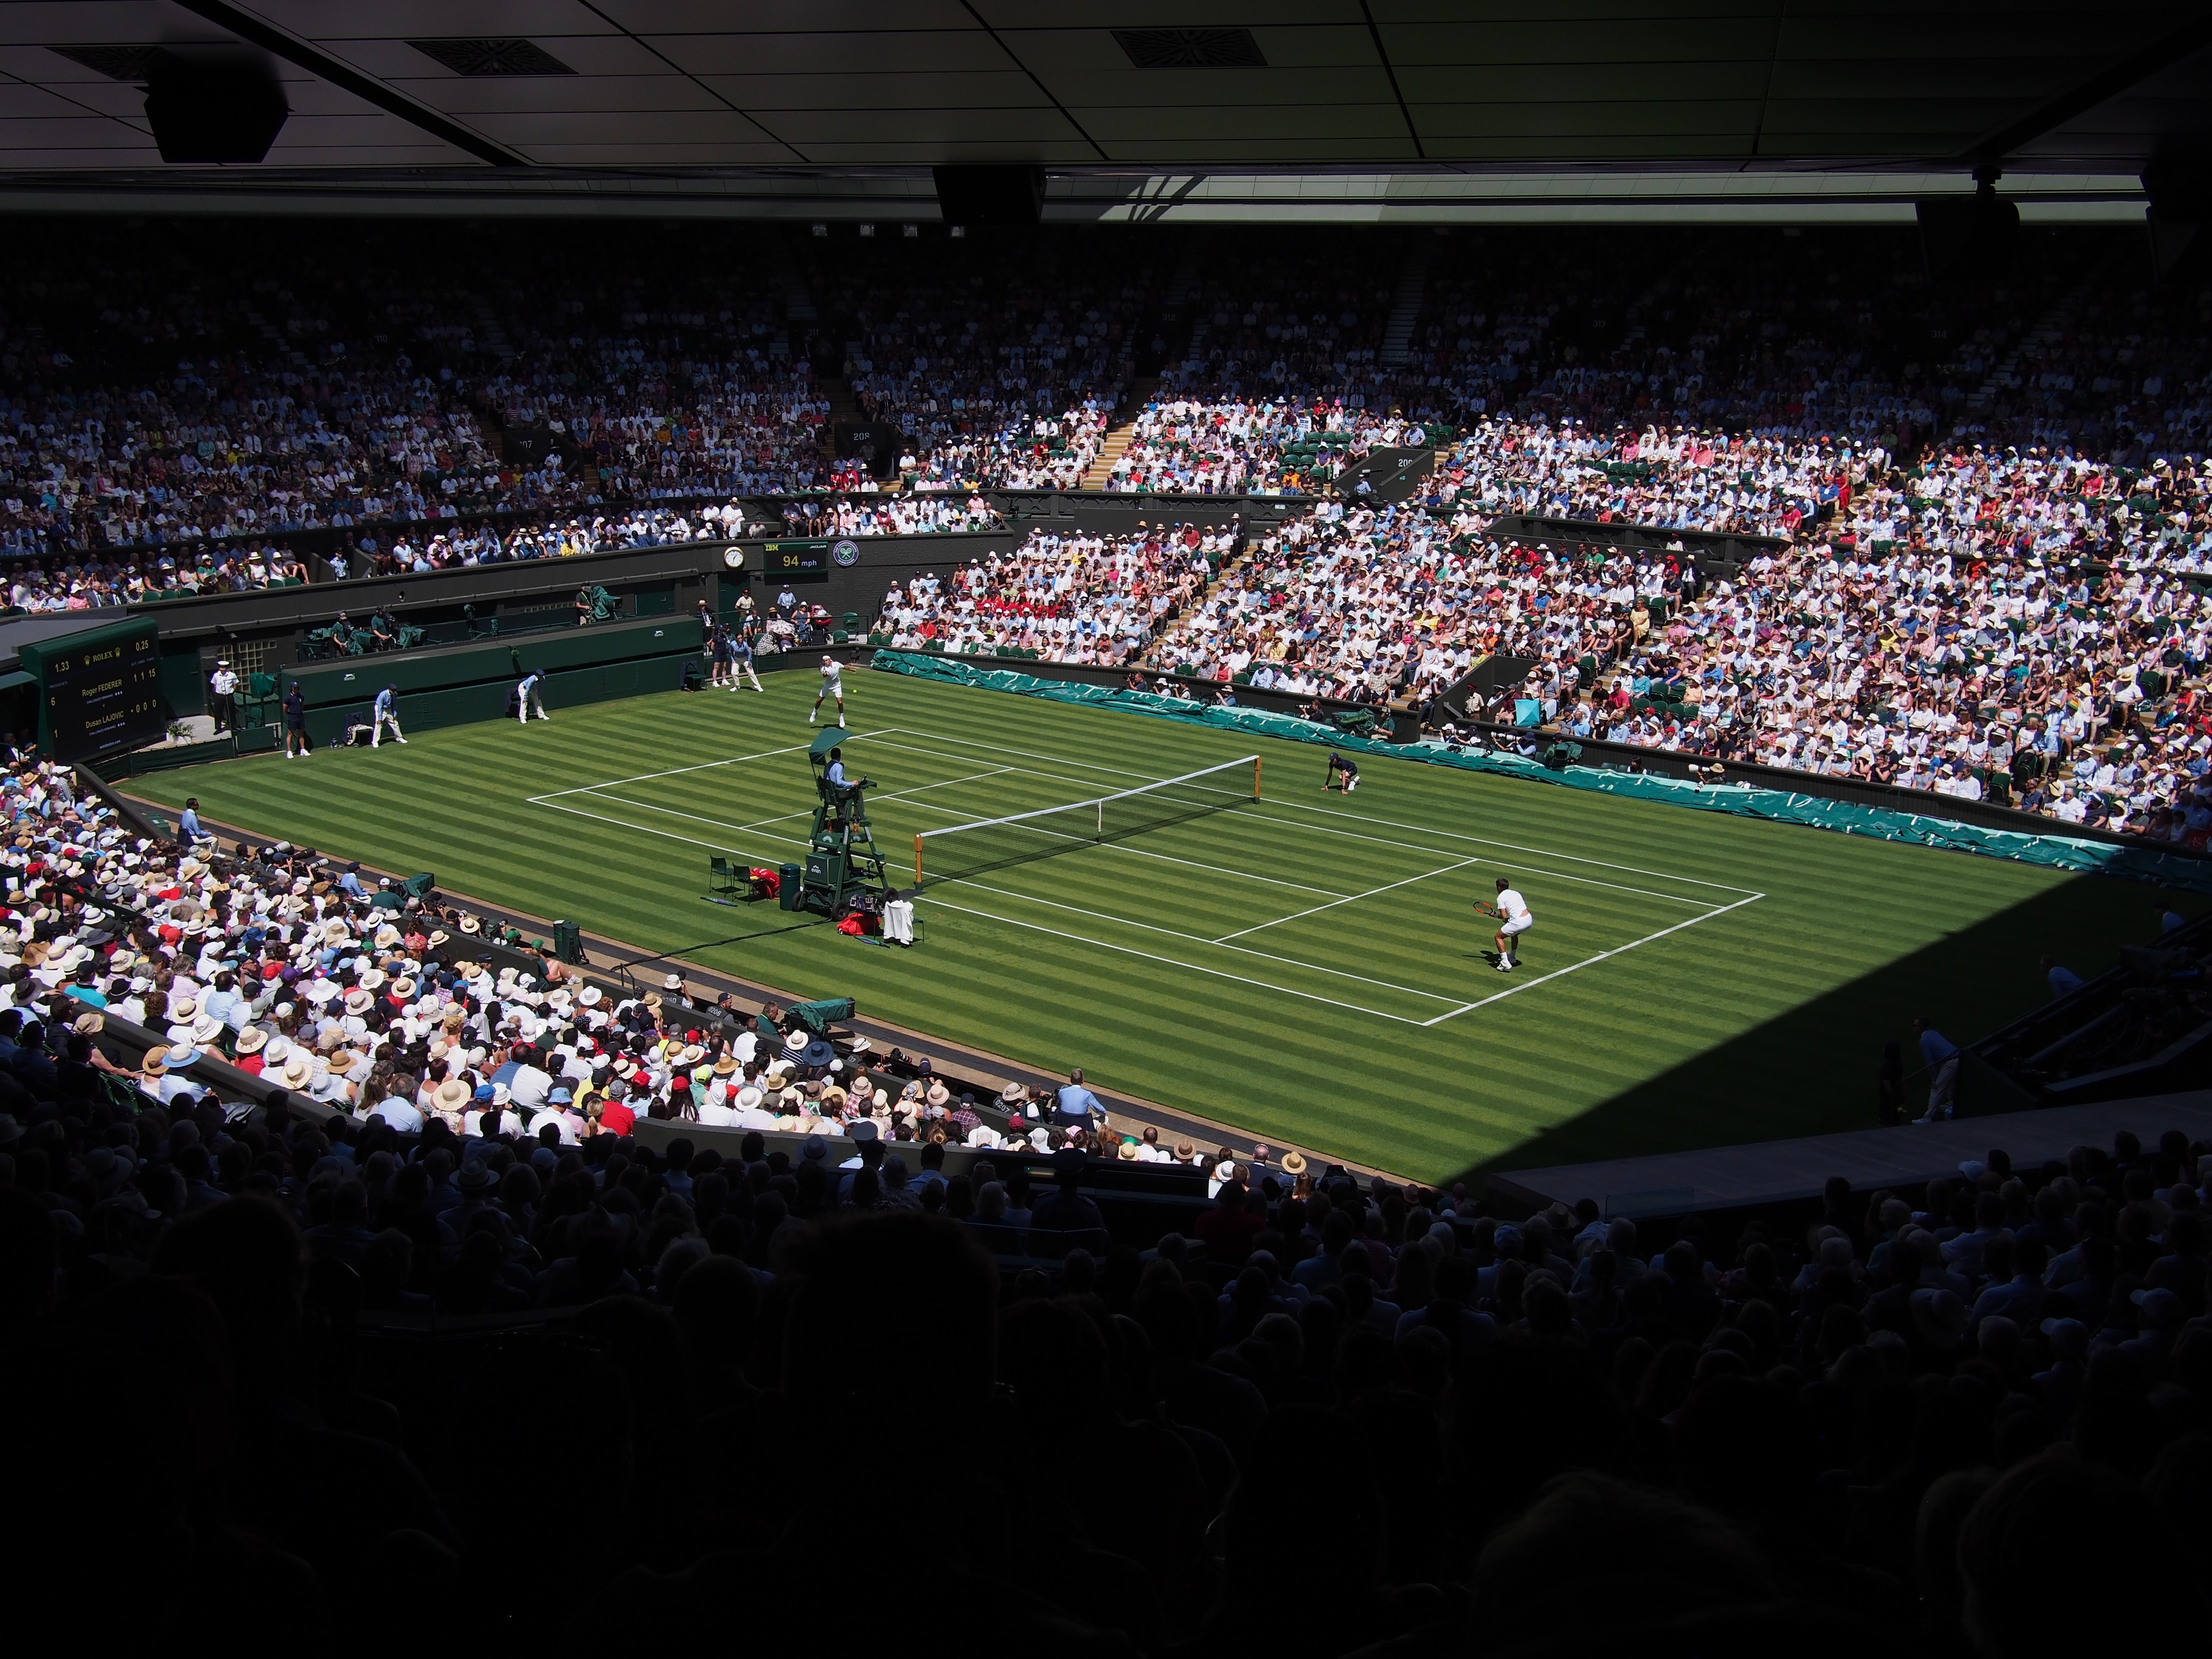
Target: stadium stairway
489	332
1406	304
2048	331
1101	470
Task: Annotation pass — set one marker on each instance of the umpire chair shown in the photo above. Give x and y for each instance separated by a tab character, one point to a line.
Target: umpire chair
843	871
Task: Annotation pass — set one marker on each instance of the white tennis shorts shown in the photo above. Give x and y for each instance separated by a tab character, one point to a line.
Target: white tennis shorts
1520	926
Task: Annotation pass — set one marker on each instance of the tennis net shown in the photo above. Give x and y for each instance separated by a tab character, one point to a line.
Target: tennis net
968	849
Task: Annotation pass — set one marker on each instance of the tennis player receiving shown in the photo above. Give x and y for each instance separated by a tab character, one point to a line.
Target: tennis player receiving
833	685
1513	921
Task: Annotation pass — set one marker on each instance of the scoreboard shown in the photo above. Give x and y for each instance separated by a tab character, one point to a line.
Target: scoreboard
100	693
795	558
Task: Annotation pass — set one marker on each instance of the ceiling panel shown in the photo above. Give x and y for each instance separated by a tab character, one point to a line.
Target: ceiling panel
635	94
406	20
529	129
1224	89
1316	122
589	55
990	89
710	18
802	127
902	84
894	51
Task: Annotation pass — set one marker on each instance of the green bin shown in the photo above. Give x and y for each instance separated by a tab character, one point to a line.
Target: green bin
786	886
568	941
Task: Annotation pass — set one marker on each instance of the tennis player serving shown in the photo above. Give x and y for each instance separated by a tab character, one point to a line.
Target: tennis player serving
833	685
1511	913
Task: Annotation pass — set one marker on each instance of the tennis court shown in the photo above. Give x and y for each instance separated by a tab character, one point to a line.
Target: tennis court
1307	966
1327	903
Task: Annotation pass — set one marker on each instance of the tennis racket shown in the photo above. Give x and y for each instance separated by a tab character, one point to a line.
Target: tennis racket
1485	907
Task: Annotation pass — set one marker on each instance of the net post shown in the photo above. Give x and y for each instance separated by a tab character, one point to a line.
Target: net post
917	860
1256	777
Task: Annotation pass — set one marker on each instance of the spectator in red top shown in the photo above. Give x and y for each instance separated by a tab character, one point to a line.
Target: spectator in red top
615	1116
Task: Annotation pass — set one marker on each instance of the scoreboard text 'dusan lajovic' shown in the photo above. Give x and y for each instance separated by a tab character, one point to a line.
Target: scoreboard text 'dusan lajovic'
102	692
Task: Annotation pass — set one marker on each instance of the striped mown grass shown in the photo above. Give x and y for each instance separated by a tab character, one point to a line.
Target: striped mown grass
1307	967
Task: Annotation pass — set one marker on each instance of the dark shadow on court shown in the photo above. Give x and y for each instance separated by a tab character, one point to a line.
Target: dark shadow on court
1812	1069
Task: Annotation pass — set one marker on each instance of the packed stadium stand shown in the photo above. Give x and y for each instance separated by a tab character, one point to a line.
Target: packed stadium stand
1649	442
284	1154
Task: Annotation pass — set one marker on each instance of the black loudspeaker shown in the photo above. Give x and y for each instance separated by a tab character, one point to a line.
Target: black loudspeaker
1967	234
214	110
990	195
2180	192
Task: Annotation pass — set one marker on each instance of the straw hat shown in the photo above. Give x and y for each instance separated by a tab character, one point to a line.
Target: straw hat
299	1069
252	1040
1294	1164
452	1095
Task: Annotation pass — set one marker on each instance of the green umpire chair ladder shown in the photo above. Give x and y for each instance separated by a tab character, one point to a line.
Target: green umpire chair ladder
842	862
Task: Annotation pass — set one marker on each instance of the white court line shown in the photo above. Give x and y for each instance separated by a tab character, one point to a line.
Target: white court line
1357	817
1510	846
665	835
1602	956
703	766
1177	961
553	801
1201	938
1347	899
1559	875
781	818
1056	777
1137	852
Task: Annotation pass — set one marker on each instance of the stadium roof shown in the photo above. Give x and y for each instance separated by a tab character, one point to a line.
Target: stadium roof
1146	107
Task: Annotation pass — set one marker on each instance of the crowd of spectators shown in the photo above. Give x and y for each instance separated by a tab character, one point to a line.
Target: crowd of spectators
892	515
1361	604
2063	691
2024	630
995	369
1062	596
163	385
1872	1421
1217	448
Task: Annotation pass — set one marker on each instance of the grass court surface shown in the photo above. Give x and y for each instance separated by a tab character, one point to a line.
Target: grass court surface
1307	966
